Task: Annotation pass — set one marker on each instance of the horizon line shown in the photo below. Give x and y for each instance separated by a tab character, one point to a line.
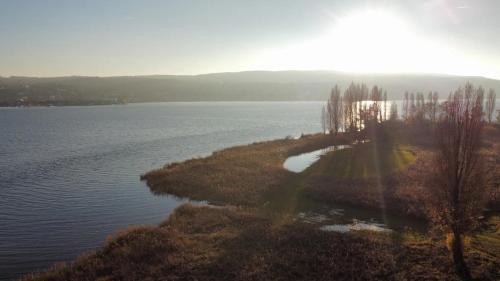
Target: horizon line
257	70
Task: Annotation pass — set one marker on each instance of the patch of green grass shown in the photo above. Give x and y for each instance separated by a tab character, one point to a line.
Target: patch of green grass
364	161
379	175
489	240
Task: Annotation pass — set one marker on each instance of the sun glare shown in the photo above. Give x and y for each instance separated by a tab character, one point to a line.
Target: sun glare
370	40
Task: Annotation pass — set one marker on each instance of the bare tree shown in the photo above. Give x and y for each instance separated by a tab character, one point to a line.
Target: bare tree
405	106
376	97
336	109
350	112
435	103
419	113
363	95
394	111
480	93
458	189
418	105
323	119
329	113
412	108
428	106
490	104
385	105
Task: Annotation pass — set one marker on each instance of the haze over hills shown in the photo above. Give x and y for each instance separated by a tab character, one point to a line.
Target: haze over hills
230	86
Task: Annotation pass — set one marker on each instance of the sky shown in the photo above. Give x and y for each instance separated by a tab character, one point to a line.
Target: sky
143	37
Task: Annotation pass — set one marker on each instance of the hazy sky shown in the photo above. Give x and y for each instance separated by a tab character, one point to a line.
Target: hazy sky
124	37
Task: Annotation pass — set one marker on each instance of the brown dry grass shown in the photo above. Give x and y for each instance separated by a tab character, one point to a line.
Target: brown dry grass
203	243
242	175
400	191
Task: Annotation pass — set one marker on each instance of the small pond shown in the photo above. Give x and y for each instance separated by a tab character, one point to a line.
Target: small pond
299	163
345	218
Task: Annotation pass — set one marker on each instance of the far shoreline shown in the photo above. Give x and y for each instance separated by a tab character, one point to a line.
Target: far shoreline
168	102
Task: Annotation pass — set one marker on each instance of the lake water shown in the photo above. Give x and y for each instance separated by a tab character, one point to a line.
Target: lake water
69	176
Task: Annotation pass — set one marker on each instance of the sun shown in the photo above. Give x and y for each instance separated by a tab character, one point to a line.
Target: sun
368	40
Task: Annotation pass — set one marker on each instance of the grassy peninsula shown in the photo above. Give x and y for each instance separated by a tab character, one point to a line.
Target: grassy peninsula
252	233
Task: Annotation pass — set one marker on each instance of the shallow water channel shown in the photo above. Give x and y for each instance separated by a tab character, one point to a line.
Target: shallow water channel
299	163
345	218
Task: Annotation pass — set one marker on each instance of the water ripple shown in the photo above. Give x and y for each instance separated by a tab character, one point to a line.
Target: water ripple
69	176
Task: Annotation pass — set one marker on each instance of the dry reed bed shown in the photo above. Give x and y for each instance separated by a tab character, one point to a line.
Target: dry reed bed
242	175
202	243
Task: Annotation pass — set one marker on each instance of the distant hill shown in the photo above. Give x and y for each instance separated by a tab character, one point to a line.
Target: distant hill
233	86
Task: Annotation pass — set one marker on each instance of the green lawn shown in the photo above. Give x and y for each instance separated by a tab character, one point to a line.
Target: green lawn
364	160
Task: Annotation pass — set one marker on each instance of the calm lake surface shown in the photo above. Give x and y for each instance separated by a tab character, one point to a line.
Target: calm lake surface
69	176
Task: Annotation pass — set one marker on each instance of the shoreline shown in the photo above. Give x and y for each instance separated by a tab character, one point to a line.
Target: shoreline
251	175
260	198
159	102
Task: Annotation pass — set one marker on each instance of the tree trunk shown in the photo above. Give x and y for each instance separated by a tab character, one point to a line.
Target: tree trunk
458	257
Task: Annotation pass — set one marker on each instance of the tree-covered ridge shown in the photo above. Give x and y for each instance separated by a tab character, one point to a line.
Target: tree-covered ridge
238	86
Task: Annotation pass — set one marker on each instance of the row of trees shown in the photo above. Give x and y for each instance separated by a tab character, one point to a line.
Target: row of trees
415	106
357	105
351	110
